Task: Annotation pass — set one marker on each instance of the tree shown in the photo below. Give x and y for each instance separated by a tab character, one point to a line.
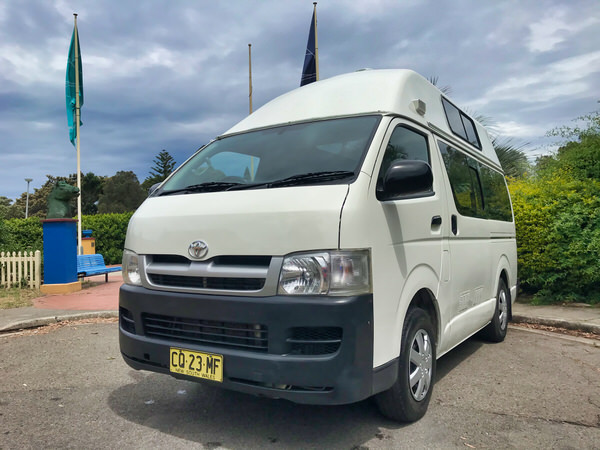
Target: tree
91	189
164	164
512	159
5	203
579	153
38	199
122	193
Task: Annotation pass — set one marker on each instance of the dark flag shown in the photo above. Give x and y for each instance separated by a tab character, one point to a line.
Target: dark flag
309	71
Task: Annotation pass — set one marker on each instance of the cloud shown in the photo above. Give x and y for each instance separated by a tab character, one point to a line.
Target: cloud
516	130
554	29
570	77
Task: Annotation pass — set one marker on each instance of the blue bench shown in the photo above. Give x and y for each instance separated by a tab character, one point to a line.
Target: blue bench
88	265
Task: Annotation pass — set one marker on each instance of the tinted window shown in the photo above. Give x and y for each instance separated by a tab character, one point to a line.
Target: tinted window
462	181
404	144
454	120
461	124
470	129
497	201
478	191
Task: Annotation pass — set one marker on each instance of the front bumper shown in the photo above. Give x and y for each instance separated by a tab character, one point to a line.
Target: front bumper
332	375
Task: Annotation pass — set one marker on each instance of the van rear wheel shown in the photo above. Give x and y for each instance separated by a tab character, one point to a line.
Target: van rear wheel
407	400
497	328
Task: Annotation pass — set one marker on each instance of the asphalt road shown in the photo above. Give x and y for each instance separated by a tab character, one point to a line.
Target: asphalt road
69	388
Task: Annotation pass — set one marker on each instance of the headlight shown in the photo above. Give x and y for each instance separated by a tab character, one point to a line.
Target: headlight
326	273
131	268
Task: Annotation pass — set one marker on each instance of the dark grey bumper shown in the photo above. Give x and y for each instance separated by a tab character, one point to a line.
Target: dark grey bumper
343	376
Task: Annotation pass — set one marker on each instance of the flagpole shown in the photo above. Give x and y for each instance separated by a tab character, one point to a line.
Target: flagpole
250	77
316	43
77	120
250	101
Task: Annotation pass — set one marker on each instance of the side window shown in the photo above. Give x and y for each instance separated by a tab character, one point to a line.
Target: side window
405	143
461	124
497	201
463	181
478	191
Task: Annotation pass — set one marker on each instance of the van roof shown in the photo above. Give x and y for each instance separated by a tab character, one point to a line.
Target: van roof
390	91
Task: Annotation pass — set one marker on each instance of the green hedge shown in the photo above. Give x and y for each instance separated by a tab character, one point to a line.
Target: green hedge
558	237
21	235
108	229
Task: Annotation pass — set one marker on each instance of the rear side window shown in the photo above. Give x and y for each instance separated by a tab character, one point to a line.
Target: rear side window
404	144
461	124
496	195
478	191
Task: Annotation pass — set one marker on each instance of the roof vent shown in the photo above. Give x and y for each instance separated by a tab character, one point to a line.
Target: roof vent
419	106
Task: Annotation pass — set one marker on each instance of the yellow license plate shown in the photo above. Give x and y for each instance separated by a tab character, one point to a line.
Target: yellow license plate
196	364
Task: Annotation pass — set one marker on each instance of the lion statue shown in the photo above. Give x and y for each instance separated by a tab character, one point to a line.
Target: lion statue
59	200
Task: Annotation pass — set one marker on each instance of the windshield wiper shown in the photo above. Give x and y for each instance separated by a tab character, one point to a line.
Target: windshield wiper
307	178
295	180
211	186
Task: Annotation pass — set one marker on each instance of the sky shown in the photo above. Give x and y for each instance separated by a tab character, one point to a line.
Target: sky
174	74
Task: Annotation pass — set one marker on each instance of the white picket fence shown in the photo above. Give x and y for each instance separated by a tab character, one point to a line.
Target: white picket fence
18	270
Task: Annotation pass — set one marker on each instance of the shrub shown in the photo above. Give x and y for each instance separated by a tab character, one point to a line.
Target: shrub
558	237
21	235
108	229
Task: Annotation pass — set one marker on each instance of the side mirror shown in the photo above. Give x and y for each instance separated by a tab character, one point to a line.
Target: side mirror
406	179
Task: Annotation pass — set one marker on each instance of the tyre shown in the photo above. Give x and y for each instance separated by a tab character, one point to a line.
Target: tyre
407	400
496	329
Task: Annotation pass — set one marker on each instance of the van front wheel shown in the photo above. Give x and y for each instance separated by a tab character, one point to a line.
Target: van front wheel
407	400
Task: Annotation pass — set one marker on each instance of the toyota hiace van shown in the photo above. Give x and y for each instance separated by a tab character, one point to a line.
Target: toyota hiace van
327	248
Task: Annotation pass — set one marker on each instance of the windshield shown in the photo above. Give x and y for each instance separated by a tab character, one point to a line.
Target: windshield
306	153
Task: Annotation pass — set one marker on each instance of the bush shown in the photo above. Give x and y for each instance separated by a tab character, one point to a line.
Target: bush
108	229
558	237
21	235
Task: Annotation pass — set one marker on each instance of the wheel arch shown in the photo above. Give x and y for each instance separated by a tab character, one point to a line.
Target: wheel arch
425	300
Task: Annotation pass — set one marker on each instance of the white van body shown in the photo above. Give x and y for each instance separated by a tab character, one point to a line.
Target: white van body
445	251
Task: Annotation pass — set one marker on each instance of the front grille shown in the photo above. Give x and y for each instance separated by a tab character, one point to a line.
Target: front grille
218	283
315	340
242	336
246	273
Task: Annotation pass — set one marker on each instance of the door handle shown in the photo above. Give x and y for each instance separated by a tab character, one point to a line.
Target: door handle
436	221
454	224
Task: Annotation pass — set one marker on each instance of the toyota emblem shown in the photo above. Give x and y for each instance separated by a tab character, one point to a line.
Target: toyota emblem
198	249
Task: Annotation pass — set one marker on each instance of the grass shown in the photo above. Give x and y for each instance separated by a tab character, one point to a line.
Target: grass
17	298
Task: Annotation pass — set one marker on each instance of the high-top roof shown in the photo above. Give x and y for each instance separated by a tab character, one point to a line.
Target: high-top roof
391	91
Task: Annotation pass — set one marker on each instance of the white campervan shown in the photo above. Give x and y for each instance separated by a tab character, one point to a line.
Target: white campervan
328	248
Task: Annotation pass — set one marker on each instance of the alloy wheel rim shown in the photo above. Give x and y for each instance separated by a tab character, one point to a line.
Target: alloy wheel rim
420	365
502	309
